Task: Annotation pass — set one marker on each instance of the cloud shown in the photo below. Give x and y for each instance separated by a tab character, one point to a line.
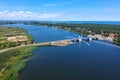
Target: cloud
83	15
24	15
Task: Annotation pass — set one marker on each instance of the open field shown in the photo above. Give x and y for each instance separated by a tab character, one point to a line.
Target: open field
13	61
12	36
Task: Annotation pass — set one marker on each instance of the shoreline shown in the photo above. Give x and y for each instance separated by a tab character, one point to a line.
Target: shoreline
24	57
13	72
14	58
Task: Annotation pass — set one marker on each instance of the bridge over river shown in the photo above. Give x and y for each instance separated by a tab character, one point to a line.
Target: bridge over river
51	43
55	43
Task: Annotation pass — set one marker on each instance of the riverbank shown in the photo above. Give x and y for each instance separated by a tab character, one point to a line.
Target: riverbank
13	53
20	56
12	66
14	36
108	32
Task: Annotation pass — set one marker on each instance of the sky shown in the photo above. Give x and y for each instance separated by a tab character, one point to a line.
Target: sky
60	10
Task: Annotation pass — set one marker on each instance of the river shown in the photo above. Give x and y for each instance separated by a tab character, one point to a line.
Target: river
73	62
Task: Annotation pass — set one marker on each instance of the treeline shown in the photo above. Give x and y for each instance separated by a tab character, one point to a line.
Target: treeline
117	39
97	28
30	38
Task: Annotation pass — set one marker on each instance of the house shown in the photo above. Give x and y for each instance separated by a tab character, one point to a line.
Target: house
112	35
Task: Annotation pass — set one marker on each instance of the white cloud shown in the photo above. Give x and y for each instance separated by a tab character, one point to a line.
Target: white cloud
23	15
83	15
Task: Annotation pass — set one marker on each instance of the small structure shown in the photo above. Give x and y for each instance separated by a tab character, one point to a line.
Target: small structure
112	35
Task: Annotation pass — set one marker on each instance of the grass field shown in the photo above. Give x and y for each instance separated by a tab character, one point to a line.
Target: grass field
13	61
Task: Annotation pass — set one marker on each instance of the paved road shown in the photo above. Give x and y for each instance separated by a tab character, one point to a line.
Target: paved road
39	44
35	44
47	43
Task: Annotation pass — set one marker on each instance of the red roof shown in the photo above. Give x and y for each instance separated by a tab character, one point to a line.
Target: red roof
112	35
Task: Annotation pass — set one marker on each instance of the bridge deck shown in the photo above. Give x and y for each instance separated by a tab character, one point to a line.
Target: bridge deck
53	43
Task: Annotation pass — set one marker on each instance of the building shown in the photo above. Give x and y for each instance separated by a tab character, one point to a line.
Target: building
112	35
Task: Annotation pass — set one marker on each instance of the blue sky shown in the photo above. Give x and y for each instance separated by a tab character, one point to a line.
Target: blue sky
60	10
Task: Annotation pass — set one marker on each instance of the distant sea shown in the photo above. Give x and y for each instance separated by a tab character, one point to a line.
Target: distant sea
86	22
72	22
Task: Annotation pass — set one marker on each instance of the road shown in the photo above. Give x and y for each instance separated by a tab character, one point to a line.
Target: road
48	43
35	44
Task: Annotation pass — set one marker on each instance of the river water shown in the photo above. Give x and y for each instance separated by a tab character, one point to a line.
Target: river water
73	62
